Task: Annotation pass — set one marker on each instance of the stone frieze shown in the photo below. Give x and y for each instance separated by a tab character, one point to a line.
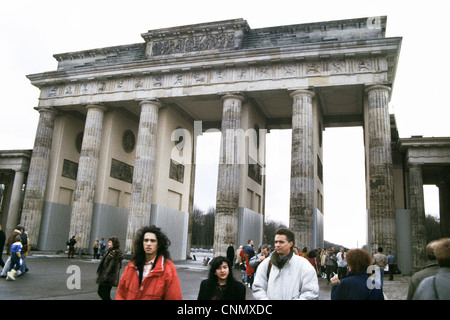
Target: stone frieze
211	76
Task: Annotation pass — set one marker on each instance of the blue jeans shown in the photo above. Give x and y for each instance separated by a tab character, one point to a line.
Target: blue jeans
15	262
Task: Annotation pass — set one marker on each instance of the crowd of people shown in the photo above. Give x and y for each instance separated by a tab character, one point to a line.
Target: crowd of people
278	273
17	249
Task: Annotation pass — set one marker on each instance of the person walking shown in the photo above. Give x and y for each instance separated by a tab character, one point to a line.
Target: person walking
437	287
330	262
24	252
312	258
221	284
108	270
9	243
238	257
230	253
71	243
96	256
341	264
16	262
355	285
391	264
323	267
431	268
101	247
256	260
2	245
380	260
150	275
285	276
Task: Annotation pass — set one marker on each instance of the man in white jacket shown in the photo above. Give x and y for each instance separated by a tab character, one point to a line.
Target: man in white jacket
285	276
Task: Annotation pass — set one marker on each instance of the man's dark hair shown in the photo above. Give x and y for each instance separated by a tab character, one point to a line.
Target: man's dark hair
139	253
287	232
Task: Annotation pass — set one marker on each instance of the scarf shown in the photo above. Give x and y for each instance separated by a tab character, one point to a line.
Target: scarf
280	262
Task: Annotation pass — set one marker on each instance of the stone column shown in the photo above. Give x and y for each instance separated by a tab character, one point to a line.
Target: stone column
301	212
382	230
37	175
143	174
227	201
15	201
83	202
417	207
444	208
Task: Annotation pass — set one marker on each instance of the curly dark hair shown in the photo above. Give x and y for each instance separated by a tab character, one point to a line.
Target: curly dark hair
215	264
139	253
115	242
358	260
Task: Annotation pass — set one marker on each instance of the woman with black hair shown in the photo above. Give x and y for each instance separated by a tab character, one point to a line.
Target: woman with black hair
221	284
108	270
150	275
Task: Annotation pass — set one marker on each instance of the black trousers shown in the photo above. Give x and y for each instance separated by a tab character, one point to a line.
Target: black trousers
104	292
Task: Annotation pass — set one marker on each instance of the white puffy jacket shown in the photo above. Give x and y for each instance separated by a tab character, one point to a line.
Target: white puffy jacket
296	280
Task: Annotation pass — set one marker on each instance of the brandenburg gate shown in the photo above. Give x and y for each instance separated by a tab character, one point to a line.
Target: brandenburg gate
116	139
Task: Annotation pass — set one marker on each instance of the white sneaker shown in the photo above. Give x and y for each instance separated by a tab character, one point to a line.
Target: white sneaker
10	275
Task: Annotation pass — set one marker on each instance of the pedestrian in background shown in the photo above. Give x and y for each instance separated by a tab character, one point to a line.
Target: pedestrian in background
391	264
230	253
108	270
330	262
24	252
238	257
380	260
341	264
71	243
96	256
437	287
16	262
221	284
312	258
431	268
2	245
9	243
355	285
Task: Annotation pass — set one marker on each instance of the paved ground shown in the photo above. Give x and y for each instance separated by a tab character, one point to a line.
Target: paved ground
51	276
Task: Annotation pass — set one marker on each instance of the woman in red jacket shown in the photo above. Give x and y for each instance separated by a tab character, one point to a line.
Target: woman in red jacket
150	275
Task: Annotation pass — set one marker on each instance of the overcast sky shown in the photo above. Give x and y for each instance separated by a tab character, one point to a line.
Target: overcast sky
32	31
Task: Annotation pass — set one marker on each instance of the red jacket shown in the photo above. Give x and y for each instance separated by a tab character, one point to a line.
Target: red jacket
161	283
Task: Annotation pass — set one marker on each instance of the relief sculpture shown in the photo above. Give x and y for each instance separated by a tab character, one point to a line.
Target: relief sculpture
193	44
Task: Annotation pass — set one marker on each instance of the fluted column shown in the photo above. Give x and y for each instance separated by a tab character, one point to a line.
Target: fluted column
227	201
301	218
83	202
15	201
381	183
444	208
38	174
144	167
417	207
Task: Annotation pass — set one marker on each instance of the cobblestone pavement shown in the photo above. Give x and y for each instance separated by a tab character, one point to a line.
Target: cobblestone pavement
49	276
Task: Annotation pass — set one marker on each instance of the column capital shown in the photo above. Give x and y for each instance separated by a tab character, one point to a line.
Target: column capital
97	105
232	95
370	88
153	101
46	109
308	91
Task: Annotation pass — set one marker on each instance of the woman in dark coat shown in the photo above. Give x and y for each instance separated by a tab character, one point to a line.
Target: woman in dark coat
221	284
108	270
357	285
